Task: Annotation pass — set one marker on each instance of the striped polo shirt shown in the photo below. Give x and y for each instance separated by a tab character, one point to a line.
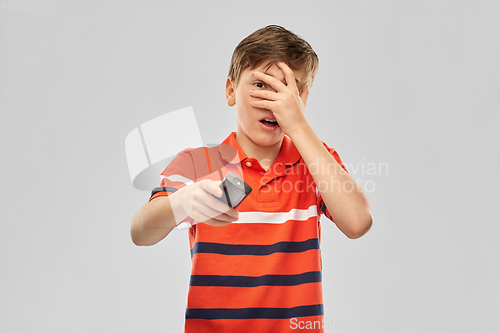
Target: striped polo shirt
261	273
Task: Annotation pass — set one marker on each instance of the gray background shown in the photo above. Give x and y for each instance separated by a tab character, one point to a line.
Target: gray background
408	84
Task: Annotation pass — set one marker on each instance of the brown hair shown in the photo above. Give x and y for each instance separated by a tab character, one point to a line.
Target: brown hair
273	43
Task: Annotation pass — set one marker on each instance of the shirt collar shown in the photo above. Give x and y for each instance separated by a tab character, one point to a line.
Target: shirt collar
288	154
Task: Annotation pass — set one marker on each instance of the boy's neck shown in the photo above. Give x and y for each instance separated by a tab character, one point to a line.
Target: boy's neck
265	155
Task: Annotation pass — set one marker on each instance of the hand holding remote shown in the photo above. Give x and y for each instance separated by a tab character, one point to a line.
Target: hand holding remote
201	202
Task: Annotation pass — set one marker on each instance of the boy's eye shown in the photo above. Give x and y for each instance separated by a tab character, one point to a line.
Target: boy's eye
259	84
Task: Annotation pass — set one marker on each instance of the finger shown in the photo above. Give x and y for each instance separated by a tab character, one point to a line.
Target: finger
270	80
268	105
226	218
215	203
264	94
206	198
289	76
210	213
218	206
225	209
216	223
212	187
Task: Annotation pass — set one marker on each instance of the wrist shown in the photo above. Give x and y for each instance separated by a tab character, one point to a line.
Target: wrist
178	210
300	131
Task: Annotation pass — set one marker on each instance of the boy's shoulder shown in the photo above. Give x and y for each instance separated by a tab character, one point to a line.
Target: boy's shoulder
227	150
200	162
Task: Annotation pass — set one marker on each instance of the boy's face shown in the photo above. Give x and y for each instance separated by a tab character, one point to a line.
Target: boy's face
249	117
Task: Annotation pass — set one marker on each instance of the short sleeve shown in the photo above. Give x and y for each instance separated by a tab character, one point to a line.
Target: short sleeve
320	203
179	173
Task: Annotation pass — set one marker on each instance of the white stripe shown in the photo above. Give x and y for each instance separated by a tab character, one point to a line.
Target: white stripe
263	217
178	178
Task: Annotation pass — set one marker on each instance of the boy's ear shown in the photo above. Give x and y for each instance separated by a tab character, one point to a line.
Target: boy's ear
230	93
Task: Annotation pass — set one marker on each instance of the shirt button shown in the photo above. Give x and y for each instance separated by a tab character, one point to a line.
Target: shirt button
249	164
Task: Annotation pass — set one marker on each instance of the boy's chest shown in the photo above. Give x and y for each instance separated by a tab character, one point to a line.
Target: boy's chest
279	188
282	194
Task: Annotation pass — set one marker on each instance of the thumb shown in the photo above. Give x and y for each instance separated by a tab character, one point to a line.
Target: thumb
213	187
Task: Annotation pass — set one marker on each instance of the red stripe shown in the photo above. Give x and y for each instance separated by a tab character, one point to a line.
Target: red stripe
263	296
276	263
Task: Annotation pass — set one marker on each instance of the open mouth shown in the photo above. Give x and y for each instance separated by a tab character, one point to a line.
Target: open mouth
269	123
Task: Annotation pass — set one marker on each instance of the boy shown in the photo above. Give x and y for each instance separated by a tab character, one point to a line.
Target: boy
258	268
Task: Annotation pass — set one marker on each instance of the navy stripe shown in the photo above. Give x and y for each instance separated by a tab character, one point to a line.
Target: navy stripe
162	189
255	250
256	313
323	209
254	281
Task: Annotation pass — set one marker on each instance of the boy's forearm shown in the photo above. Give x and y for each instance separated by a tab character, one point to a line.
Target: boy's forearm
344	198
153	222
